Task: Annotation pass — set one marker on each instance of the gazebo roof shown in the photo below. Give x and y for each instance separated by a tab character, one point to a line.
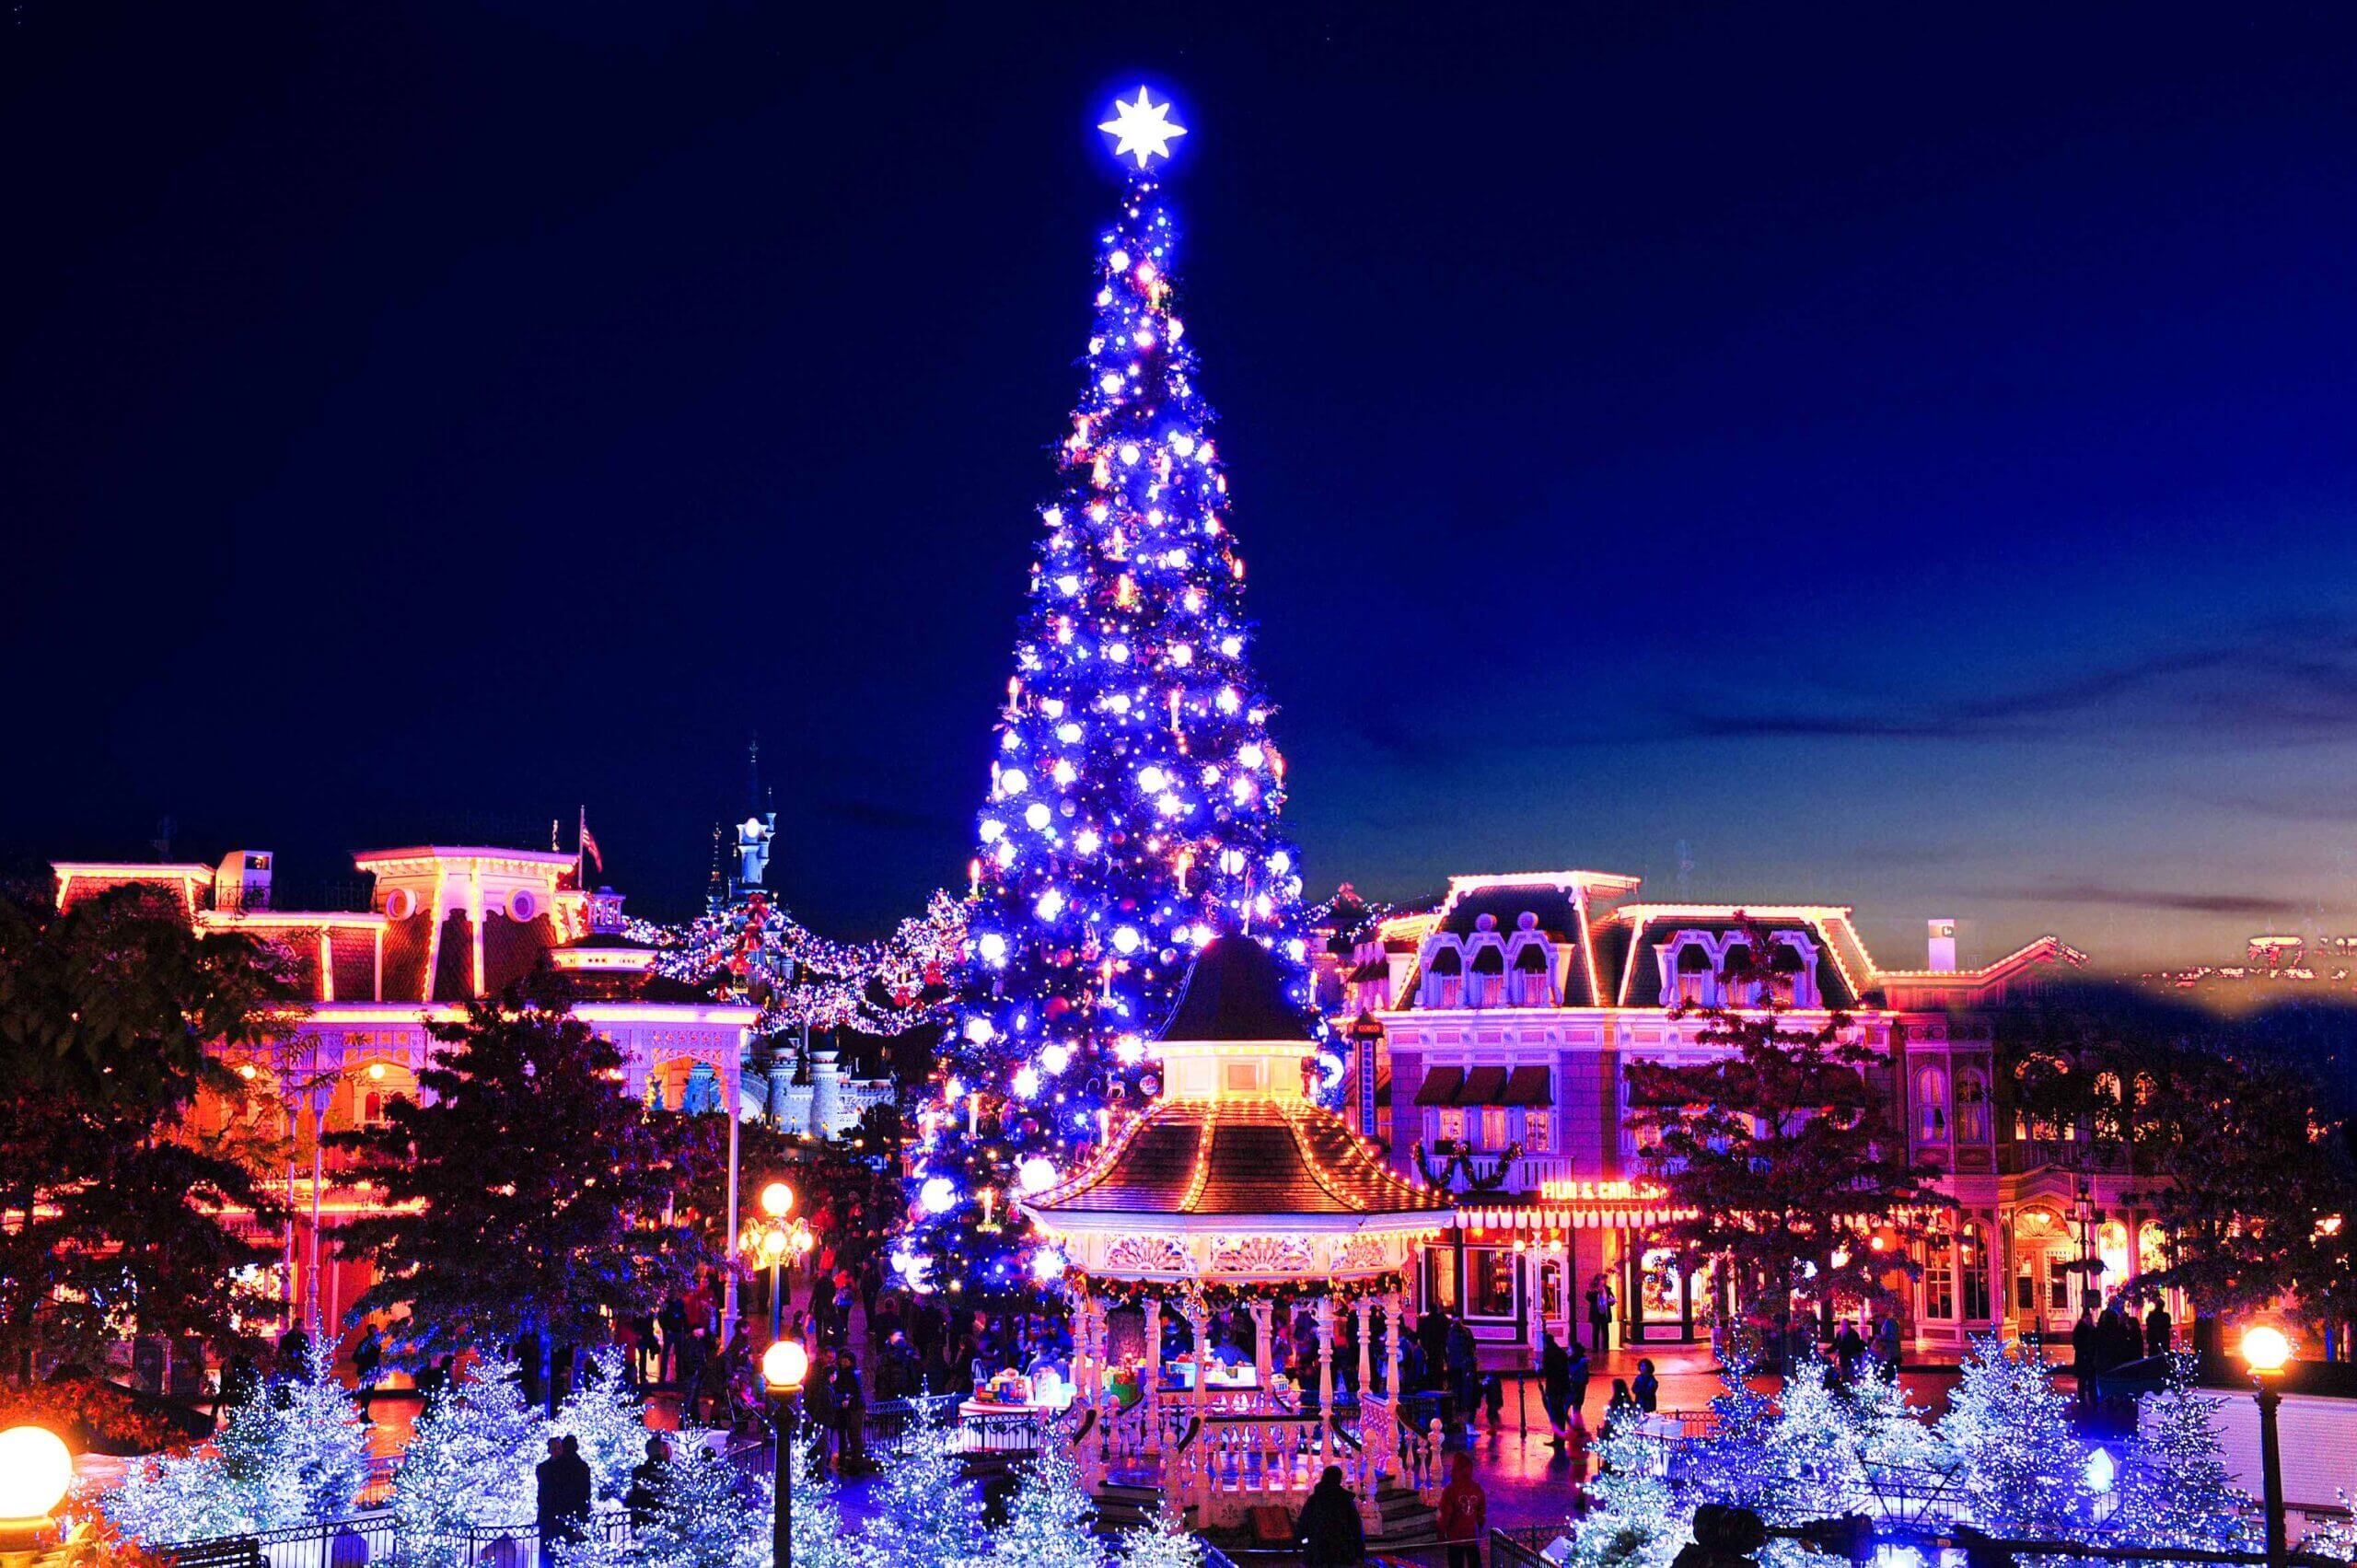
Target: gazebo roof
1265	1158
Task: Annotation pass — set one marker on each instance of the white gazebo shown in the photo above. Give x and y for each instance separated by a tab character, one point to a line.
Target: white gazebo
1234	1183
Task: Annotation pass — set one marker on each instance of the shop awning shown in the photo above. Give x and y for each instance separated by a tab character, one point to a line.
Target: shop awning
1483	1085
1439	1086
1527	1086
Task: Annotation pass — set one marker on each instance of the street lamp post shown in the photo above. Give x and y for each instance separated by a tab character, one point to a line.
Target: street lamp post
35	1472
783	1366
2265	1350
771	1243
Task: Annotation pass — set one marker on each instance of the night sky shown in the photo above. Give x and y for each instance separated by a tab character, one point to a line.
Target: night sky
1791	454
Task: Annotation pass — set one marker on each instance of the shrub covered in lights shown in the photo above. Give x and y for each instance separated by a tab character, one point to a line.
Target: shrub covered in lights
1134	787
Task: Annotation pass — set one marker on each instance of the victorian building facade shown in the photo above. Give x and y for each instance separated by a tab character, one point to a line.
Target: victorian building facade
1491	1038
442	926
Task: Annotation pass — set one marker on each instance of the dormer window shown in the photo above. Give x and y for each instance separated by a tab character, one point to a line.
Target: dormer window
1534	981
1488	988
1692	977
1445	986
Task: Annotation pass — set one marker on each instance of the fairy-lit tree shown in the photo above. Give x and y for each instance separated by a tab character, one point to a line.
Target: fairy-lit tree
1134	787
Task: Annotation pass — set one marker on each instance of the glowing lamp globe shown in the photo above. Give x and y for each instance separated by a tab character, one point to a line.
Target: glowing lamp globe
785	1365
2265	1350
777	1200
34	1470
773	1244
1037	1174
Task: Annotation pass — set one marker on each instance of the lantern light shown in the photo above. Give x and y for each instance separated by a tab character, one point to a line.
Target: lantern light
785	1365
35	1472
2266	1349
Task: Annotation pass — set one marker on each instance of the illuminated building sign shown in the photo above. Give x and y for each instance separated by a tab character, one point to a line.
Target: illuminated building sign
1600	1192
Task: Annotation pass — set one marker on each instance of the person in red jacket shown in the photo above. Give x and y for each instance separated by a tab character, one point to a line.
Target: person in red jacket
1464	1515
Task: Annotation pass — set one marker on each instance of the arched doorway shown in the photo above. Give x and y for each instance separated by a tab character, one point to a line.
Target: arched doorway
2043	1254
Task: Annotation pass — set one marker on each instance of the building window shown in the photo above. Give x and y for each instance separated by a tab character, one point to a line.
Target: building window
1931	1106
1537	1135
1972	1257
1939	1280
1493	1127
1971	1109
1487	988
1490	1282
1452	1123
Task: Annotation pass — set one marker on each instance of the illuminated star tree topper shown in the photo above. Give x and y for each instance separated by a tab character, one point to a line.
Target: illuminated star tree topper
1143	130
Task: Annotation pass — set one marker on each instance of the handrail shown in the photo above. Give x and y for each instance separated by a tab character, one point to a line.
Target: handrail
1194	1427
1087	1423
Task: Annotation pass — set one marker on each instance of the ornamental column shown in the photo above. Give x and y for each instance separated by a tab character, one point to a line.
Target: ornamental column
1264	1372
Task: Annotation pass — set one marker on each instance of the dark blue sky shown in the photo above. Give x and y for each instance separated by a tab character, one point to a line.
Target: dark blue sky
1911	466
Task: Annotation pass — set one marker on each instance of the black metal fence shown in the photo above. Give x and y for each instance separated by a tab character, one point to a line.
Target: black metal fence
372	1539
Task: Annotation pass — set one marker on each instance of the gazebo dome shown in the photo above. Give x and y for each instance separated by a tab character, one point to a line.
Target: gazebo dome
1234	990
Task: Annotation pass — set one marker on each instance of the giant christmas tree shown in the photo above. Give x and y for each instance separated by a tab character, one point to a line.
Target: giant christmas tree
1131	813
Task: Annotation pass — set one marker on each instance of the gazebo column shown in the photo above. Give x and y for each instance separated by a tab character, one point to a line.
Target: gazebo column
1394	1303
1325	1321
1084	1348
1199	1322
1153	1372
1364	1308
1263	1371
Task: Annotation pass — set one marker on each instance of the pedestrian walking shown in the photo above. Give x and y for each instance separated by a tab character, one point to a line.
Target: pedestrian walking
650	1483
367	1356
1464	1515
1554	1384
1331	1536
1646	1389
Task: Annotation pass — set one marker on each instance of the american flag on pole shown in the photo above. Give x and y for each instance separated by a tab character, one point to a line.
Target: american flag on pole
590	843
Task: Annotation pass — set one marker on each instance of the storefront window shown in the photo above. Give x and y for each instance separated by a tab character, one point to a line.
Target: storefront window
1939	1279
1490	1282
1972	1258
1658	1285
2111	1246
1440	1278
1551	1290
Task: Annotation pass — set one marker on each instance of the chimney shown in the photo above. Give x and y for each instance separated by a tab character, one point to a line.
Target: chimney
1943	947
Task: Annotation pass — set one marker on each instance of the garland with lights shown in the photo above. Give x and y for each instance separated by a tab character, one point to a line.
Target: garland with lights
753	950
1134	789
